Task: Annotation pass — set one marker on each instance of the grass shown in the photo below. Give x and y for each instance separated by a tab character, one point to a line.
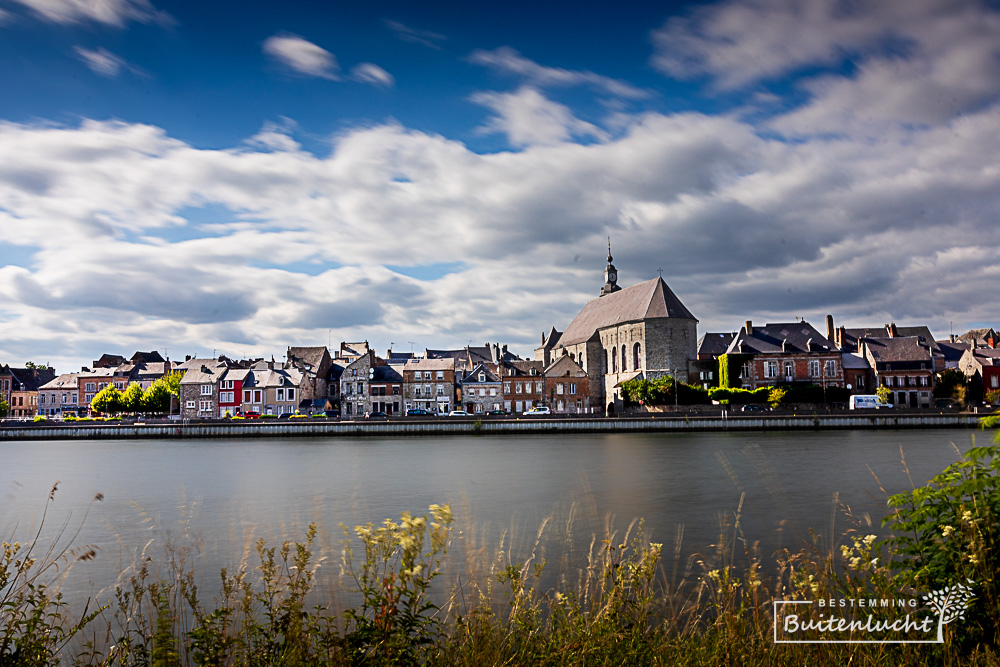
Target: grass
419	591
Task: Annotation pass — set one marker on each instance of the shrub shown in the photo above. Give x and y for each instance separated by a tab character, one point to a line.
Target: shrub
41	418
948	532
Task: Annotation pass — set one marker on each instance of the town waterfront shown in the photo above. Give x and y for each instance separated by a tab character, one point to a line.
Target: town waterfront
215	496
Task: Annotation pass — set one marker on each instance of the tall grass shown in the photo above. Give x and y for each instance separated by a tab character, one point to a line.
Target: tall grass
420	590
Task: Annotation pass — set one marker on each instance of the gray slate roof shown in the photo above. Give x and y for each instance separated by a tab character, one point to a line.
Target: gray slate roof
907	350
851	336
787	337
648	300
714	344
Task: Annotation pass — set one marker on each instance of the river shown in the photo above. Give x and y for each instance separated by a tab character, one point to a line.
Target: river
217	495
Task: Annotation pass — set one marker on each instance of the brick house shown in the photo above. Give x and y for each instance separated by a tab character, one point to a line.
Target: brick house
24	385
429	384
59	396
787	353
90	381
523	385
567	387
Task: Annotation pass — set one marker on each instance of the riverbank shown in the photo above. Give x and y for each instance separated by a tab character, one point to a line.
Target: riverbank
465	426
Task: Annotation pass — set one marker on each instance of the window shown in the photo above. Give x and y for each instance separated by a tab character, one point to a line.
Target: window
395	390
994	381
493	391
506	387
440	389
635	357
416	391
923	381
624	363
418	375
90	386
427	390
226	397
204	406
206	390
478	407
517	387
246	395
770	369
747	371
538	387
257	395
440	375
572	387
291	393
614	360
188	405
789	367
281	395
482	377
42	399
482	391
560	388
814	368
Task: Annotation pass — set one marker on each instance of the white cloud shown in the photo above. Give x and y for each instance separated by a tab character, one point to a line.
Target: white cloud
103	62
302	56
108	12
506	59
743	224
528	118
423	37
373	74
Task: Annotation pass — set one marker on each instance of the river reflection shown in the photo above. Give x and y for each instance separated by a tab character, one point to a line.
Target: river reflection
218	495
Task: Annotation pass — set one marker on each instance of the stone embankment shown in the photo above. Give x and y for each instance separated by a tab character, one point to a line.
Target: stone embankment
457	426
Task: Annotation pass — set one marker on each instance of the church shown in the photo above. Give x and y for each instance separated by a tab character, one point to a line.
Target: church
642	331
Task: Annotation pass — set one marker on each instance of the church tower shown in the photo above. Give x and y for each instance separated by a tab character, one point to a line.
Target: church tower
610	275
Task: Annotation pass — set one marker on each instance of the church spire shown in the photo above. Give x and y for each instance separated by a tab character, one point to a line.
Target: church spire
610	275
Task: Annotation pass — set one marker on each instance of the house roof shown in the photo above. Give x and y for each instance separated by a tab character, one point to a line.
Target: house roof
648	300
524	368
977	335
472	376
953	351
714	344
564	366
783	337
64	381
147	357
849	342
30	379
311	356
388	373
852	361
987	356
899	350
434	364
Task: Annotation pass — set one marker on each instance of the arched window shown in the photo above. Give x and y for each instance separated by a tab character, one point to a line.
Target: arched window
482	377
635	357
614	360
624	360
606	367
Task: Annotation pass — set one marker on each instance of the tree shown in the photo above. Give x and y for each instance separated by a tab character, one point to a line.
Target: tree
107	401
775	396
883	394
4	408
156	399
947	381
132	398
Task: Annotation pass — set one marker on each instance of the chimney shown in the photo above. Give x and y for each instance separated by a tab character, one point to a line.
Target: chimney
784	345
204	368
187	357
748	328
841	334
830	328
951	338
891	328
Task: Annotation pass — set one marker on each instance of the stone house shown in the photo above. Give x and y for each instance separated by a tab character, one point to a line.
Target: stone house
981	367
429	384
523	385
314	364
59	396
905	365
199	388
480	390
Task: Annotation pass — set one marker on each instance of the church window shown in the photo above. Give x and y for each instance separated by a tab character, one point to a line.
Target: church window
614	360
635	357
624	360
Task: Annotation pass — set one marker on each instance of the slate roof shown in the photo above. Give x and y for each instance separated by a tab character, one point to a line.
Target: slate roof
849	343
311	356
907	350
523	368
147	357
987	356
472	377
953	351
851	361
64	381
648	300
783	337
30	379
209	371
564	366
389	373
433	364
714	344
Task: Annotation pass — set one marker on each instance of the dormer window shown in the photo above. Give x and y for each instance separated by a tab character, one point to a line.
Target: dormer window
482	377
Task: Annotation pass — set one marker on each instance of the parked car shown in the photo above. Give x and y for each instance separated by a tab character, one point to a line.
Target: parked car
458	413
251	415
333	414
377	414
417	412
496	413
538	410
753	407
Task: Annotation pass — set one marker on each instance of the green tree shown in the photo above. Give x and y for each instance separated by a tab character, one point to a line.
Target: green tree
947	381
132	398
4	408
156	399
883	394
108	401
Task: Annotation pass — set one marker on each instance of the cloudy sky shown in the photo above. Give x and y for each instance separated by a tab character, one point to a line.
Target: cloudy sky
239	177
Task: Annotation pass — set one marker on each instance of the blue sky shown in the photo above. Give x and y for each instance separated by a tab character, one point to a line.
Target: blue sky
240	177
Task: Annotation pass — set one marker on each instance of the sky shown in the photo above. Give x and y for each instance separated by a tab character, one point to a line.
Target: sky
233	178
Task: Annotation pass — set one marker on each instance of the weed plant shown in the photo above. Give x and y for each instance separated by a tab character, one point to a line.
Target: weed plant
624	603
